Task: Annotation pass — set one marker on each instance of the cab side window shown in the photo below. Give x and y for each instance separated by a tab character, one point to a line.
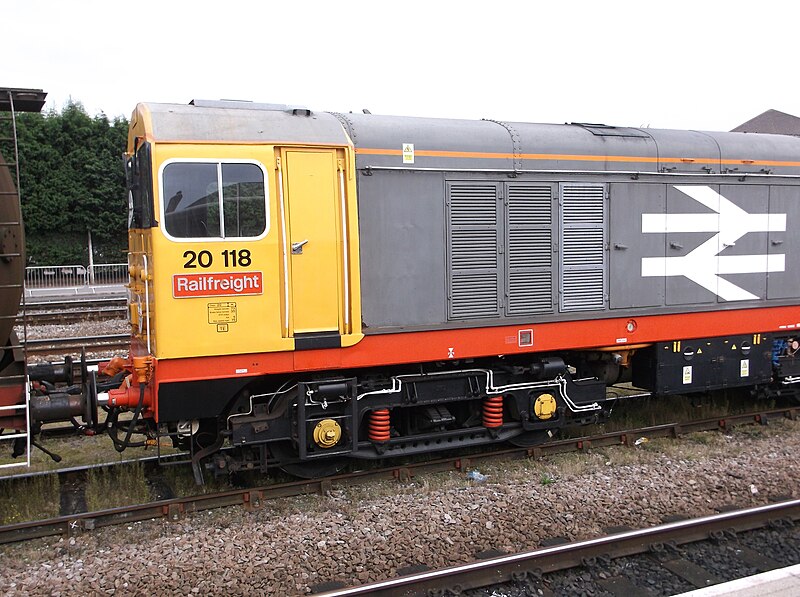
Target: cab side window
140	188
214	200
243	200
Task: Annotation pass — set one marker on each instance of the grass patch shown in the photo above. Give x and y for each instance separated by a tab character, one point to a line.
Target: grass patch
571	464
180	479
547	479
123	485
630	413
623	456
34	498
706	438
756	431
646	412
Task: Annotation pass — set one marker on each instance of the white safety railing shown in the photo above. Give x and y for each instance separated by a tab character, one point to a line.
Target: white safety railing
51	276
75	276
107	274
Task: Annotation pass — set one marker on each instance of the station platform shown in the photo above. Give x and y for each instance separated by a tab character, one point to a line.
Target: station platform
75	292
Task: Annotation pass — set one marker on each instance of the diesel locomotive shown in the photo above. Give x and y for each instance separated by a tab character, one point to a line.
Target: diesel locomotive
311	287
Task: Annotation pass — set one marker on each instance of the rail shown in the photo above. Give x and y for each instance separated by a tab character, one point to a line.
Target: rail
75	276
74	311
57	346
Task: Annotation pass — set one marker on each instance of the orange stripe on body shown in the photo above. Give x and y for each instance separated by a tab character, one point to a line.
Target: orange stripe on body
507	156
570	157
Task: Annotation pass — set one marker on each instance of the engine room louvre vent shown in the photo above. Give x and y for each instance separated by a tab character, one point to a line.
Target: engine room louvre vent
583	204
473	250
473	296
529	206
529	261
473	205
580	290
582	226
583	247
529	292
529	248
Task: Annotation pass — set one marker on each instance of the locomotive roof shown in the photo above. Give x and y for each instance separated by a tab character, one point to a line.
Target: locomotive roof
240	122
479	144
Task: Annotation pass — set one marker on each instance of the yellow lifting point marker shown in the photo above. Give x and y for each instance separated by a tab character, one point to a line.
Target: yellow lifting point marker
545	406
327	433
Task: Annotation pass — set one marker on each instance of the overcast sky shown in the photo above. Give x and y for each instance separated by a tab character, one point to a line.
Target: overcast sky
708	65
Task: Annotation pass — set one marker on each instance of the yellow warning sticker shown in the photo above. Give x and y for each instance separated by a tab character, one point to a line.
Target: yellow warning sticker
744	368
408	153
687	375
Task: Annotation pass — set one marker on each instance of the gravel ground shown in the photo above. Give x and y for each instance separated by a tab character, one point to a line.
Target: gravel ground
77	330
366	534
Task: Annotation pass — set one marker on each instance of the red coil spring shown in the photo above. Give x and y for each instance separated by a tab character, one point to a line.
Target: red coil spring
493	412
379	425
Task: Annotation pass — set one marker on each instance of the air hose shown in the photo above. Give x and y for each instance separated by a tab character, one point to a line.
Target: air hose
119	446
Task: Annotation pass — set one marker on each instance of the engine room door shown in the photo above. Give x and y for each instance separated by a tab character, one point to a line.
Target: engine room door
312	243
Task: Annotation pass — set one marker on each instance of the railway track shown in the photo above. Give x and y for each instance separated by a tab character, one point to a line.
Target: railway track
69	346
528	568
73	311
251	498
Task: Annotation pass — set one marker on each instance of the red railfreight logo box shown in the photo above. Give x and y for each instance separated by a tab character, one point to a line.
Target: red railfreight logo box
220	284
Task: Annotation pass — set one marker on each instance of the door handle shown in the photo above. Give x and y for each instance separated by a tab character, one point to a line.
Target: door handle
676	246
297	248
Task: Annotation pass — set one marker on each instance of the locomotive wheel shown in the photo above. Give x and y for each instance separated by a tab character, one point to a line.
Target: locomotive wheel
530	439
284	453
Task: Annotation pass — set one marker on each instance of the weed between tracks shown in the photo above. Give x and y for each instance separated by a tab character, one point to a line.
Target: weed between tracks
650	411
130	484
38	498
41	500
122	485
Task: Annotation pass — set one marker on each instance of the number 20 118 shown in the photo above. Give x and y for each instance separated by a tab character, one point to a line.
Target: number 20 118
205	259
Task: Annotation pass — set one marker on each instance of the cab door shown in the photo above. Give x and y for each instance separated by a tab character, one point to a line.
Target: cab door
313	243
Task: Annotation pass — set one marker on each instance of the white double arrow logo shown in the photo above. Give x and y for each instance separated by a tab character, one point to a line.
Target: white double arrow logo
704	265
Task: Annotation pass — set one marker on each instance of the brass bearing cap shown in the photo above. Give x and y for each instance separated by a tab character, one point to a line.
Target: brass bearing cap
545	406
327	433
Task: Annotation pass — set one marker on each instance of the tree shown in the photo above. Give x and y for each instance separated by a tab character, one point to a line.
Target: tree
72	181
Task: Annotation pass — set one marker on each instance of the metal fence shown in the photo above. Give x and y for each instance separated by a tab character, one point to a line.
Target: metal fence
76	276
107	274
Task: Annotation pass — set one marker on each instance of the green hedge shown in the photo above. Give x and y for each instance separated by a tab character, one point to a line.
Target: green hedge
72	181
